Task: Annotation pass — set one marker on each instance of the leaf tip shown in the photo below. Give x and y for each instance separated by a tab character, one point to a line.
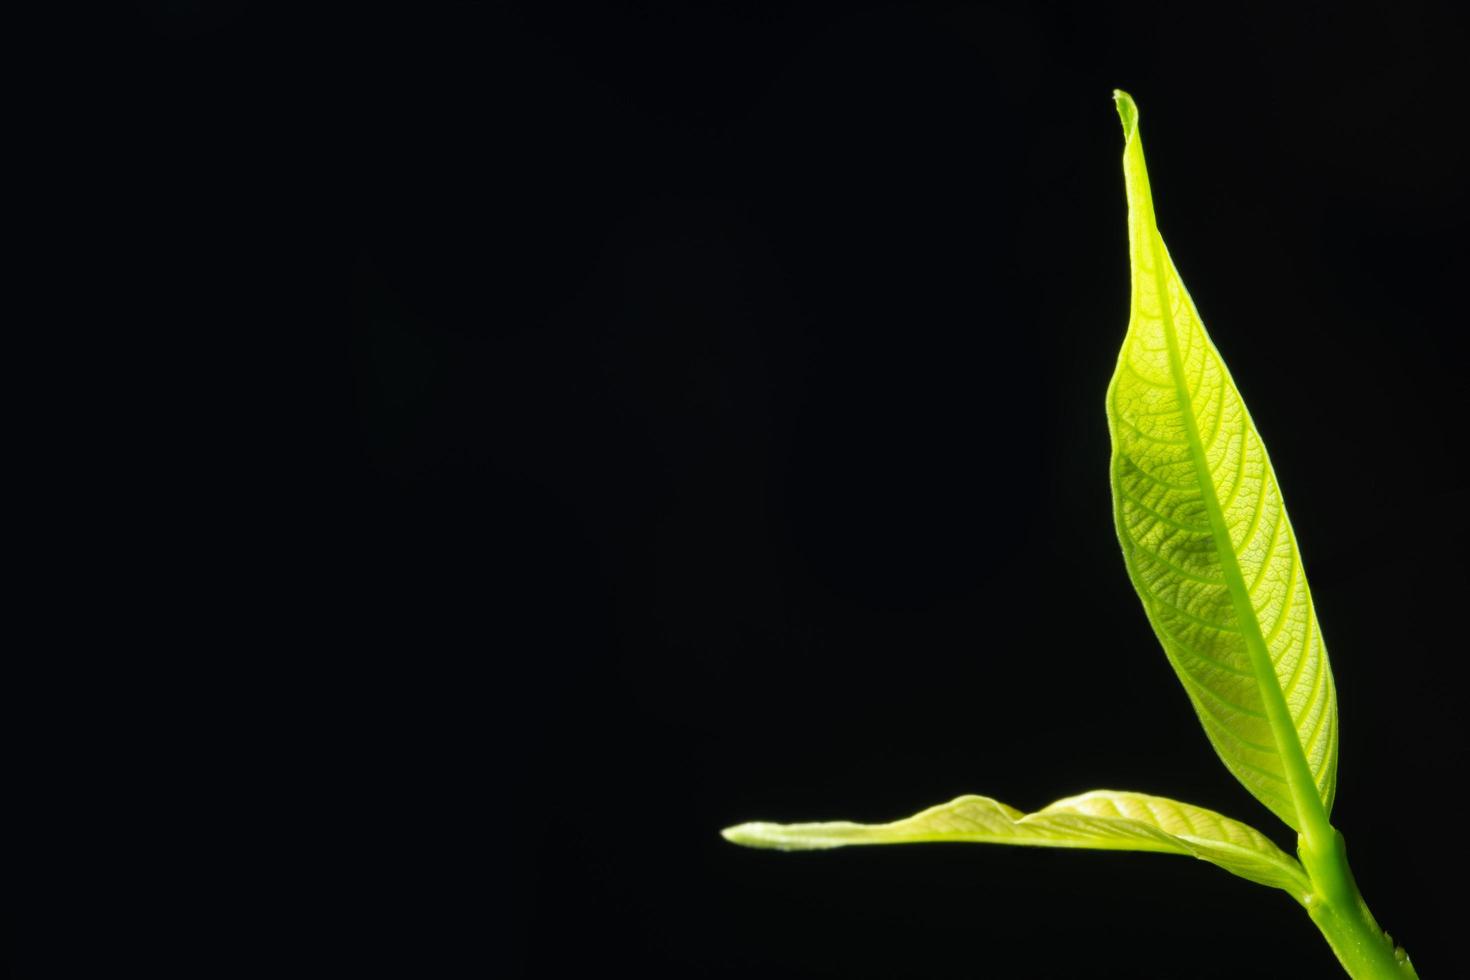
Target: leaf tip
746	835
1127	112
780	837
732	834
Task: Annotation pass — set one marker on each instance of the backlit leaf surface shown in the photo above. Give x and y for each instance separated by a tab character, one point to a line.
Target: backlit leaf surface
1100	820
1206	538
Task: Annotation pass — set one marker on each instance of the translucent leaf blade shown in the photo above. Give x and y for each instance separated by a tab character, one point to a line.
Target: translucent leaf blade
1206	538
1099	820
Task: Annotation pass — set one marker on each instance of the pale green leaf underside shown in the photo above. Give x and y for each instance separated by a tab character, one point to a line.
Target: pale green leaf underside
1205	537
1100	820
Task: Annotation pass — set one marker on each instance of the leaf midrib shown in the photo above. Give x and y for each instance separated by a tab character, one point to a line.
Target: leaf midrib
1311	816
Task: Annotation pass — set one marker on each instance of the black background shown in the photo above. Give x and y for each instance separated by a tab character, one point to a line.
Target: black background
619	421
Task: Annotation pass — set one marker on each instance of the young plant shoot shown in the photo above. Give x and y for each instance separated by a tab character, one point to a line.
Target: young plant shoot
1209	548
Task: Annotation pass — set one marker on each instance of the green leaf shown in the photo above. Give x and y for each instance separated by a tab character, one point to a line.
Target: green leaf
1206	538
1101	820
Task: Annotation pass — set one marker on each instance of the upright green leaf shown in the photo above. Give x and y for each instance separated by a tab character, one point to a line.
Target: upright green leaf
1100	820
1206	538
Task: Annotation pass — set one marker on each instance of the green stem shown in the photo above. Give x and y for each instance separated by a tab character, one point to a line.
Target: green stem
1365	951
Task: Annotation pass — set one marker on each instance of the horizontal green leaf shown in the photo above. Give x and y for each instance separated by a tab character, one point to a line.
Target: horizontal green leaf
1100	820
1206	538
